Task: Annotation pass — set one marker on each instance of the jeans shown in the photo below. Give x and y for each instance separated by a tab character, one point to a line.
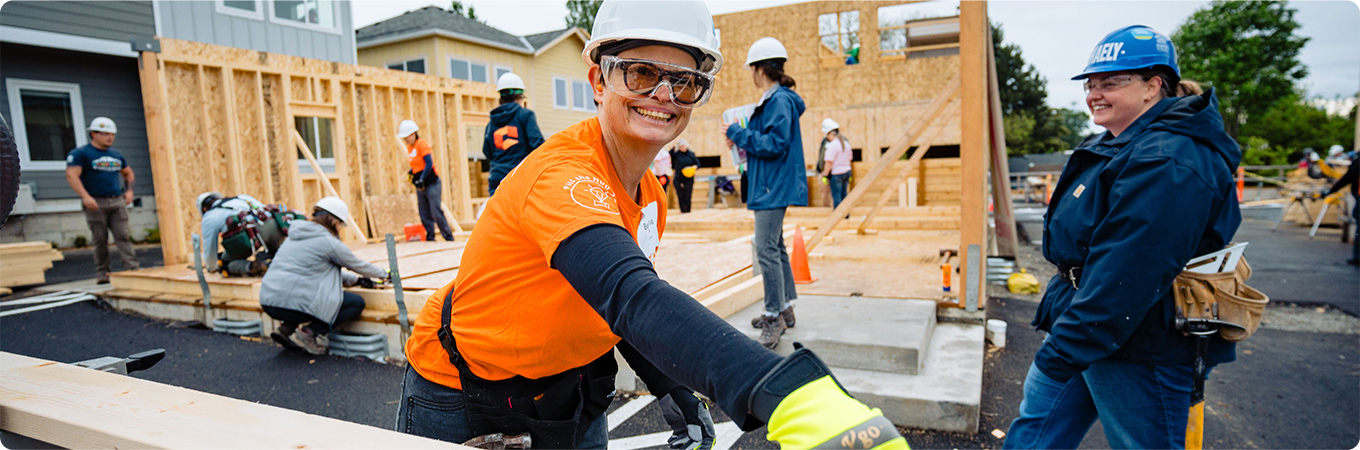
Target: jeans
1355	240
773	260
684	191
436	411
351	306
1140	406
428	201
839	184
111	217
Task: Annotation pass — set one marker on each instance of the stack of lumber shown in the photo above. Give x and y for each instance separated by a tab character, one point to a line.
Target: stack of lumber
25	263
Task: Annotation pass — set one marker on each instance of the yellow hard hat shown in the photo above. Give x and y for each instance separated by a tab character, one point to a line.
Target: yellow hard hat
689	171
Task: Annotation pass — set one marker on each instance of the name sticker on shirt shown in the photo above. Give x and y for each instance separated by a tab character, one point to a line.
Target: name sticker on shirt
592	193
648	236
1080	188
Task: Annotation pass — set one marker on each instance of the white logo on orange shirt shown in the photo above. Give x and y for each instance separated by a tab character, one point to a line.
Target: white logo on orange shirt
592	193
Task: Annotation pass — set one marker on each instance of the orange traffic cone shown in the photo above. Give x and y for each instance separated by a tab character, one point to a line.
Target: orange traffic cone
801	273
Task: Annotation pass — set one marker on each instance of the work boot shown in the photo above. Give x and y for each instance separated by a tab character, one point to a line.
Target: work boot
282	335
771	330
309	341
102	279
789	319
258	268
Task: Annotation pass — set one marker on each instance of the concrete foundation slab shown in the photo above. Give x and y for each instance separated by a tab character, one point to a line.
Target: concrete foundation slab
946	395
885	335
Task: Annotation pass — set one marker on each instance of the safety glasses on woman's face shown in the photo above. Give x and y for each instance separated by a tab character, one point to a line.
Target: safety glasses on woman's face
639	78
1109	83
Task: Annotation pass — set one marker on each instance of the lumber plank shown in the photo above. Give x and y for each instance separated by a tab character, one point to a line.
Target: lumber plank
75	407
325	181
906	171
736	298
886	160
973	147
22	247
161	148
1008	239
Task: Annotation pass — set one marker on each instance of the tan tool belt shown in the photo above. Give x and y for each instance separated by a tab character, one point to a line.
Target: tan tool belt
1221	298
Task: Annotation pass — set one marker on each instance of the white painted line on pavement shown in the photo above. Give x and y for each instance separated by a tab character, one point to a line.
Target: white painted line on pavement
727	434
621	415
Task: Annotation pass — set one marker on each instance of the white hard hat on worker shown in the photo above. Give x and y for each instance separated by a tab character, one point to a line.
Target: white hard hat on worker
828	125
335	206
103	125
766	48
650	65
406	128
509	80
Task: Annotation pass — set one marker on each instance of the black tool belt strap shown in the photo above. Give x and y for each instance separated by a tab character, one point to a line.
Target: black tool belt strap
1072	274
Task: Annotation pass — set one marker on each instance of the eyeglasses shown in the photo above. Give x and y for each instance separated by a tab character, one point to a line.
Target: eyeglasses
641	78
1109	83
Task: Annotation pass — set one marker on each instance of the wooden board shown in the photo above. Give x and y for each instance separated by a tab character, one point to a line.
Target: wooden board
377	253
892	264
692	266
75	407
391	213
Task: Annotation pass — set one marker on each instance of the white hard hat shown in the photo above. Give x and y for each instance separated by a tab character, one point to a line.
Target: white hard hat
335	206
204	197
509	81
686	23
681	143
828	125
103	124
766	48
1335	150
406	128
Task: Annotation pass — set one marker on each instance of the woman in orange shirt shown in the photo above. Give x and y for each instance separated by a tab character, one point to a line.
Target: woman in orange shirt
426	179
558	273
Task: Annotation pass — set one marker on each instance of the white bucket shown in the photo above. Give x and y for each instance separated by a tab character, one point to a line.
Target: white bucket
996	332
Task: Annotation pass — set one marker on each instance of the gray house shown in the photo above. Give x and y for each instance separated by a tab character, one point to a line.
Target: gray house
63	63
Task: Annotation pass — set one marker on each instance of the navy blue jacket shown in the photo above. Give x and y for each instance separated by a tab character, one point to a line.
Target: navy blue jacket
519	136
1131	211
774	150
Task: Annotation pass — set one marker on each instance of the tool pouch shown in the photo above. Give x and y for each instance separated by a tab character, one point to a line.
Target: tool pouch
1220	298
237	245
554	410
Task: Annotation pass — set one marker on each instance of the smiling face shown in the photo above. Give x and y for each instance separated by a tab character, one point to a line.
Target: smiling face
1118	107
649	123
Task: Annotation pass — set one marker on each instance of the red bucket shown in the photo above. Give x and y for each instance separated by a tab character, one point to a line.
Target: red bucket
414	232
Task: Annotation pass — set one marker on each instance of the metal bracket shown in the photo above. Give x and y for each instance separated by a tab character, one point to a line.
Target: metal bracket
974	274
396	286
202	282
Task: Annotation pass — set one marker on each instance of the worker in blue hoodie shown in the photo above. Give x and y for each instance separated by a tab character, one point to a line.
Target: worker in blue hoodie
513	131
1131	208
778	177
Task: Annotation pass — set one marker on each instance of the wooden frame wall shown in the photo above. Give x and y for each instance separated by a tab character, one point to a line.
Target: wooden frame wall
222	118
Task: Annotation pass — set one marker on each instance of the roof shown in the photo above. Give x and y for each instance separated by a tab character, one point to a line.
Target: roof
540	40
436	20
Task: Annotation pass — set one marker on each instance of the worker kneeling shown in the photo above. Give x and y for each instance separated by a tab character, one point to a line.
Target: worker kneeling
247	227
303	283
559	272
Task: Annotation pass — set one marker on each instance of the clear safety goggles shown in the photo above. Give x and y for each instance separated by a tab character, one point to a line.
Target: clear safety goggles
1109	83
639	78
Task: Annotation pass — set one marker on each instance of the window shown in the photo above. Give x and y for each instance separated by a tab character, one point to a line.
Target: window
914	27
560	93
502	70
316	132
48	121
415	65
249	9
582	97
316	13
467	70
839	35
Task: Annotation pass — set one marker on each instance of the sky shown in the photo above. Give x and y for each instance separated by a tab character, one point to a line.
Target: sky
1055	36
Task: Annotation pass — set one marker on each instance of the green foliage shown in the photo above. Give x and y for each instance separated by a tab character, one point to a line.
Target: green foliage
82	241
581	13
457	7
1291	126
1031	125
153	235
1075	122
1247	51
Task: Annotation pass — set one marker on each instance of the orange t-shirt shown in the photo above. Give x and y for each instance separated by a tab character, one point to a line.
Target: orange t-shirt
417	153
512	314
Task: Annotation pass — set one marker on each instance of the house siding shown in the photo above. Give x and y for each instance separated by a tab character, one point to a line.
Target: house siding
380	55
109	87
115	21
562	60
199	21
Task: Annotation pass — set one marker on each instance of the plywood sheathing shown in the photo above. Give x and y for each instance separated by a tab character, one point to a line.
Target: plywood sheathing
871	100
221	119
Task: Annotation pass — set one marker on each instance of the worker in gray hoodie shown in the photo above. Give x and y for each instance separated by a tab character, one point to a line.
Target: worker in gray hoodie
303	284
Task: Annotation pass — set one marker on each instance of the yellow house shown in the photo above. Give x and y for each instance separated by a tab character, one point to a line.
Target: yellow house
434	41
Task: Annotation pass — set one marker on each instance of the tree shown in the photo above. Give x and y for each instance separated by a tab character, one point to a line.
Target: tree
1280	134
468	11
581	13
1031	126
1075	123
1246	50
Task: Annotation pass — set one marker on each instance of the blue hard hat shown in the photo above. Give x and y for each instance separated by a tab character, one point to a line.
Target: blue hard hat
1131	48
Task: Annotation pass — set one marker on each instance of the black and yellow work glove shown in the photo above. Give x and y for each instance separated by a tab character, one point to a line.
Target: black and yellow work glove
690	421
367	283
807	408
